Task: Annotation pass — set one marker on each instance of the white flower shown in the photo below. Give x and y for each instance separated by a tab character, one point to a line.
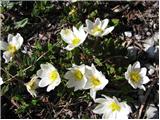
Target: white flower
10	48
32	85
99	28
76	77
49	76
1	80
95	80
73	38
112	108
136	76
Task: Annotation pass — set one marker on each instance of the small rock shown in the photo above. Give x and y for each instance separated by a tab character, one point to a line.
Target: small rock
138	37
132	52
152	112
155	26
148	33
153	52
146	29
116	10
151	68
151	71
128	34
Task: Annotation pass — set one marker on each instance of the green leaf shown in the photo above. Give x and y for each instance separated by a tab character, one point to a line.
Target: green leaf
98	62
34	102
4	89
115	21
50	46
38	45
120	78
21	23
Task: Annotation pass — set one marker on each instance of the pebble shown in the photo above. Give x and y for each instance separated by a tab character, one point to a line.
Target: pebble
128	34
116	10
152	112
148	33
151	71
138	37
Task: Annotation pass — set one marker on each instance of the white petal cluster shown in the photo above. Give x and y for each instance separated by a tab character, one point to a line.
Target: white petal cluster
136	75
86	77
73	38
49	76
32	85
10	48
96	80
76	77
98	28
112	108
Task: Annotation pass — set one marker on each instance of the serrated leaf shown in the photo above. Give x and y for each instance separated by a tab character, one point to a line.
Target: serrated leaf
21	23
98	62
4	89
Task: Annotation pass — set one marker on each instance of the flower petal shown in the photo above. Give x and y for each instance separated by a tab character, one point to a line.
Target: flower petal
47	66
107	31
143	71
19	41
98	22
69	47
9	39
100	100
44	82
89	24
7	56
76	32
104	23
142	87
50	87
100	109
16	40
145	80
3	45
93	94
67	35
1	81
136	65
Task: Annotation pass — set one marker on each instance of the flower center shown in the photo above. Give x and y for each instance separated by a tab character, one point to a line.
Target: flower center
53	75
135	76
95	81
96	29
78	74
11	48
114	106
75	41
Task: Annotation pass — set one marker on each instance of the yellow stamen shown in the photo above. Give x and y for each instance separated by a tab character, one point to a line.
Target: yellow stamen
75	41
53	75
11	48
78	74
95	81
135	76
114	106
96	29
